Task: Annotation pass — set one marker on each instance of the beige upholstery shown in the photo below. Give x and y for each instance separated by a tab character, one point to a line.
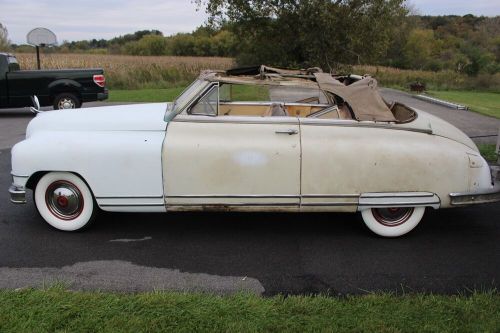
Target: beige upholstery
276	110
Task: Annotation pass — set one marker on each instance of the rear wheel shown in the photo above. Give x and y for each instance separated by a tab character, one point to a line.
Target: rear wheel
66	101
65	201
392	221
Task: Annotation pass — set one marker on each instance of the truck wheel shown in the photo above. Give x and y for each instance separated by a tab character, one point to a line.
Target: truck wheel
66	101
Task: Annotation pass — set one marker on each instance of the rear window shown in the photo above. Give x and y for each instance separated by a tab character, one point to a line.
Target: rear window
12	64
11	60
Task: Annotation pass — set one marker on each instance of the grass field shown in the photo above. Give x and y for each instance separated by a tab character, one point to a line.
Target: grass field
66	311
482	102
132	72
137	72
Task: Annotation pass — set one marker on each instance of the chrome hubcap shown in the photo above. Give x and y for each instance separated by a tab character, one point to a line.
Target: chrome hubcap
64	200
66	103
391	217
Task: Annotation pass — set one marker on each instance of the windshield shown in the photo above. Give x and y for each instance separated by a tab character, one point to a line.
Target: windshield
189	94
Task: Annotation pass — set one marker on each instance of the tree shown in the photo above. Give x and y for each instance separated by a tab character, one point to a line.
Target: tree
309	32
148	45
419	47
4	38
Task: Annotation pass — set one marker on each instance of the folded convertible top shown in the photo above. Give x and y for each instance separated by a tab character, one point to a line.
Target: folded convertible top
359	92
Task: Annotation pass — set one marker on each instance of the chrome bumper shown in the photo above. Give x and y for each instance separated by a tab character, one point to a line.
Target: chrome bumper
492	195
17	194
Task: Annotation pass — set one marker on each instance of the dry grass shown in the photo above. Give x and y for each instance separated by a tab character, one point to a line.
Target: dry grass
132	72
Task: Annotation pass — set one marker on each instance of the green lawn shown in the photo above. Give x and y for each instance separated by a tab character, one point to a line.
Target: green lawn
145	95
238	93
488	151
487	103
58	310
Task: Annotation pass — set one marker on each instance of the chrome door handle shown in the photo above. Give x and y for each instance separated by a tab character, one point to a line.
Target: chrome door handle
289	132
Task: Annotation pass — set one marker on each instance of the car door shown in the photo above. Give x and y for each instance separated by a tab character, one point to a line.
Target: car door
347	165
231	162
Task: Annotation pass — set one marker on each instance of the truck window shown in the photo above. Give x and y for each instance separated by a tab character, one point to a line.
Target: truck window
13	64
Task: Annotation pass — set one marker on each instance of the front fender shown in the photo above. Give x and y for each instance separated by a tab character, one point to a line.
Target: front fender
115	164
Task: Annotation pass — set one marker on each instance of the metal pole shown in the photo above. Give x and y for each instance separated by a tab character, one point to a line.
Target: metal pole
38	56
498	146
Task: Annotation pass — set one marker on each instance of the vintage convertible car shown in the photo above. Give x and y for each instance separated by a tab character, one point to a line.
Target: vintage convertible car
252	139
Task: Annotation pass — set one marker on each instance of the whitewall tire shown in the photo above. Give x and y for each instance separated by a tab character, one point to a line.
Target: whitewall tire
65	201
392	222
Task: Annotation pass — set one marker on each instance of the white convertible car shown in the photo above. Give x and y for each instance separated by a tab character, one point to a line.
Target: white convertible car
254	139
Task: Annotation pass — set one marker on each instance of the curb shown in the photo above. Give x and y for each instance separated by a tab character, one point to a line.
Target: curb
441	102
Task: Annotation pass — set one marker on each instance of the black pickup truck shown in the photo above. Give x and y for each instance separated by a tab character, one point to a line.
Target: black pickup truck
62	88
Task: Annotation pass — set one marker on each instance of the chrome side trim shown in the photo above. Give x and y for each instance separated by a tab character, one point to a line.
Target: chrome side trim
132	205
329	204
265	196
129	201
17	194
399	195
330	195
403	199
236	119
268	103
354	123
133	197
235	204
363	201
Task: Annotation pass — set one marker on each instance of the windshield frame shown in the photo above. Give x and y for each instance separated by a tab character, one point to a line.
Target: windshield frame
189	94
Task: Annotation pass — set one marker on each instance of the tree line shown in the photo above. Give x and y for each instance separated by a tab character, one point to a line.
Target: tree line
325	33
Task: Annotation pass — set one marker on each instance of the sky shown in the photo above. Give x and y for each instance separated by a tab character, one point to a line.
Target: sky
88	19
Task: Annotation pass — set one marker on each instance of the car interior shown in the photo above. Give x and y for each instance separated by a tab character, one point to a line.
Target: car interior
229	99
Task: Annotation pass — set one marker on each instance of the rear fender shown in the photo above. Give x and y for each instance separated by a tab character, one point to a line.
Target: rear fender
64	85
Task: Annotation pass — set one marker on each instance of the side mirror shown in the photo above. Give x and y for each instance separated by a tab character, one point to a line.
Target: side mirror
36	105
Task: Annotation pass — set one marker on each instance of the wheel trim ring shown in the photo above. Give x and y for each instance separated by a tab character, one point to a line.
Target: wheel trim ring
400	215
51	205
64	101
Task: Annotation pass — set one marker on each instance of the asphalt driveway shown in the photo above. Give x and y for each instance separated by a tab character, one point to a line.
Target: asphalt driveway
451	251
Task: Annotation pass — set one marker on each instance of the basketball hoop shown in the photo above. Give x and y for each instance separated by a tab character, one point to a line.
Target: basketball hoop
41	37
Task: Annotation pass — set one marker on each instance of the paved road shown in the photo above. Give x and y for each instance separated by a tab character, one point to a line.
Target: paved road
13	122
450	251
471	123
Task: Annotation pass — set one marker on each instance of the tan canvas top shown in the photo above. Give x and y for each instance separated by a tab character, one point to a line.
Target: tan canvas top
362	96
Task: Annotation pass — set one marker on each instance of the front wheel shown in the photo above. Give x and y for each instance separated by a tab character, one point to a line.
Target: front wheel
65	201
394	221
66	101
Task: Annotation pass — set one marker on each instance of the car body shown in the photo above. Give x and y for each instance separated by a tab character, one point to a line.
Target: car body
61	88
260	139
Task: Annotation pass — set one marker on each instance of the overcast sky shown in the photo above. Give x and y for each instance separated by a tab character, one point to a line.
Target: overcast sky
76	20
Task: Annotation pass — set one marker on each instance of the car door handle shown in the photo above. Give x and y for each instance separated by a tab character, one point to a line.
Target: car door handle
288	131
